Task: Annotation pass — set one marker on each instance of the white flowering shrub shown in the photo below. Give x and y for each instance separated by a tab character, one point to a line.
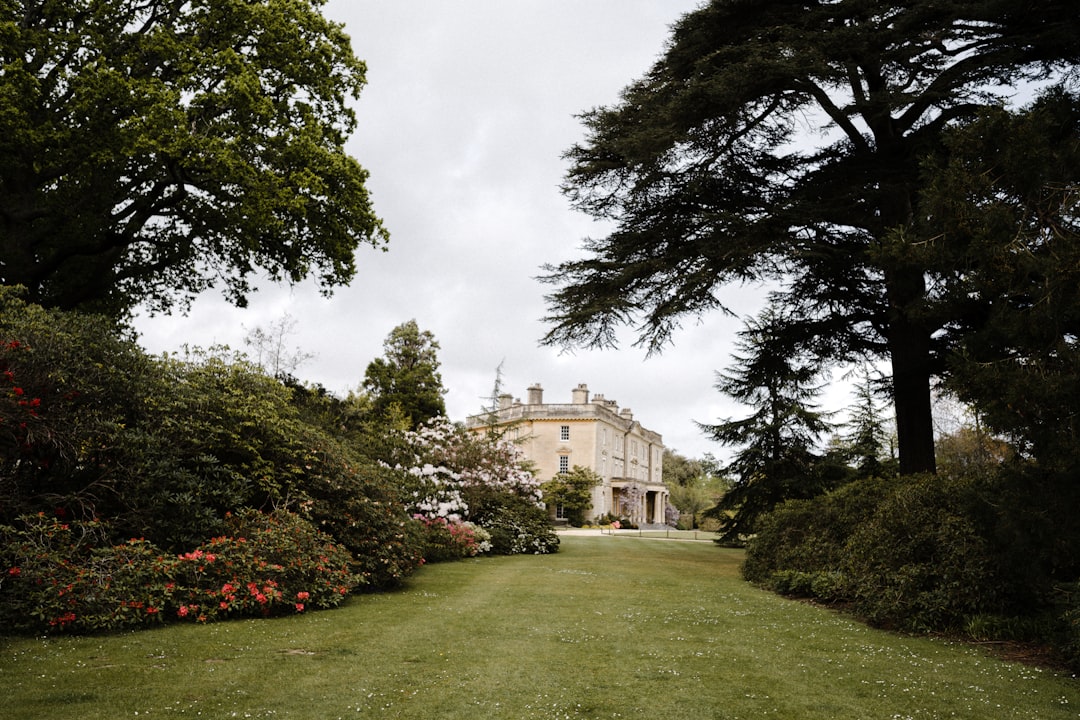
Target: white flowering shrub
457	475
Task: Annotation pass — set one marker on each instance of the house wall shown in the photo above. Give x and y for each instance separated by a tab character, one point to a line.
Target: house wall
590	432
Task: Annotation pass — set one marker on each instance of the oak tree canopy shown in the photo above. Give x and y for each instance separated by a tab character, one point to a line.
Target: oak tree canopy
150	149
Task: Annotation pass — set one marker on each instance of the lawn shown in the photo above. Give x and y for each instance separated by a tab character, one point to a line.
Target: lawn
609	627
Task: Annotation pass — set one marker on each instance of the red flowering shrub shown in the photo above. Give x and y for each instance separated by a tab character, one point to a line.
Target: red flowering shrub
270	564
54	577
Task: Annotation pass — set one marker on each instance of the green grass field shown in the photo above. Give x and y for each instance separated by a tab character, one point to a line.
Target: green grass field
607	628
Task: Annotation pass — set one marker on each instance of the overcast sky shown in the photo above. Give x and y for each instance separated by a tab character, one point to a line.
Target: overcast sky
468	109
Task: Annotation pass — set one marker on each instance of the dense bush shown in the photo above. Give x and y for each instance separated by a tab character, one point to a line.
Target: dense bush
809	536
518	526
268	564
70	385
916	553
451	473
923	560
90	427
452	540
60	577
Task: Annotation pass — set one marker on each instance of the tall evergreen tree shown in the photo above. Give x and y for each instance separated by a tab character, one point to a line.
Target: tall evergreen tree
867	435
709	180
1004	219
405	382
776	460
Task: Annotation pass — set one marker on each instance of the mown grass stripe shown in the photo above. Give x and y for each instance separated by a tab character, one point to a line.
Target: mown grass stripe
606	628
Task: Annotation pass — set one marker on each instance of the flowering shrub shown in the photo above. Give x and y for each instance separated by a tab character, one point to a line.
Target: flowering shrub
451	540
54	577
20	421
66	384
521	529
454	474
631	501
270	564
452	464
359	505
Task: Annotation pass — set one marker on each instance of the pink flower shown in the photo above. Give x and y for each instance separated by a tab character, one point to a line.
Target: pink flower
299	607
261	598
302	595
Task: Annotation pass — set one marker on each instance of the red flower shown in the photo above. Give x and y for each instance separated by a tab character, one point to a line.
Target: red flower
14	572
299	607
151	610
182	611
302	595
18	391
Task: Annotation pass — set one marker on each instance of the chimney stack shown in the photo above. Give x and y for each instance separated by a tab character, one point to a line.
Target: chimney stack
580	394
536	394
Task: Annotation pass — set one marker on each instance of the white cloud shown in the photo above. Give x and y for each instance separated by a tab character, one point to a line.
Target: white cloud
469	107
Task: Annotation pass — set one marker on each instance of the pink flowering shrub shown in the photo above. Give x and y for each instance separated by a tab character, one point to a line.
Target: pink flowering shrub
452	539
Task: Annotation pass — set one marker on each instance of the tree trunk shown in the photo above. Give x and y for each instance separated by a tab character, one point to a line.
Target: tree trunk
909	348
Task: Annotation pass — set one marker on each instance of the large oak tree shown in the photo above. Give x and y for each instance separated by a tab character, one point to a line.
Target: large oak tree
150	149
780	141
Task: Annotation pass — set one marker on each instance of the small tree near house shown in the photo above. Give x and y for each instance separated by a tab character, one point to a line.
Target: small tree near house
572	490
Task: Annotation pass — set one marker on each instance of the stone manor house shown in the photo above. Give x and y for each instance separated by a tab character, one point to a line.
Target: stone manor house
593	433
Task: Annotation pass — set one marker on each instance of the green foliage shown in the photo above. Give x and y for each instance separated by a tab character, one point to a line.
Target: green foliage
70	385
923	553
776	458
809	536
572	490
517	526
923	561
268	564
1005	204
452	540
694	169
149	150
359	504
164	449
866	441
406	379
65	577
62	577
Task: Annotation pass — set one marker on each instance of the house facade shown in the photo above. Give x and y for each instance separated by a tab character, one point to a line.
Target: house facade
592	432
